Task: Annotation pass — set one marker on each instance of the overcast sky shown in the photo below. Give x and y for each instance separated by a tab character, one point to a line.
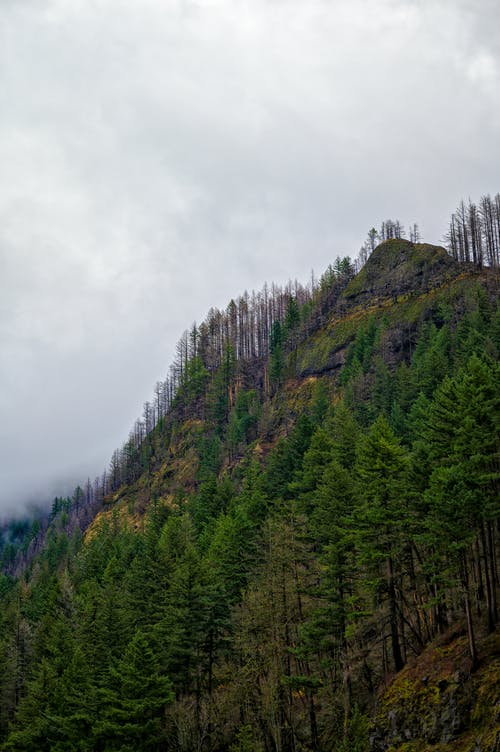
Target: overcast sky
158	157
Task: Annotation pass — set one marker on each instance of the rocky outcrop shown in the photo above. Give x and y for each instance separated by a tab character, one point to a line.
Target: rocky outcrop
437	704
397	267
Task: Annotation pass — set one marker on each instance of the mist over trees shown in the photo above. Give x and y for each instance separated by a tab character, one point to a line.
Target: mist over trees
255	333
253	326
230	345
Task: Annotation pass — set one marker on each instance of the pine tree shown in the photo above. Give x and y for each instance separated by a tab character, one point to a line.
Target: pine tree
134	702
382	470
460	432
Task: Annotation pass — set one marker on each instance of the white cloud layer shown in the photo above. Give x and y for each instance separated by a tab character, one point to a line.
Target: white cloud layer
159	157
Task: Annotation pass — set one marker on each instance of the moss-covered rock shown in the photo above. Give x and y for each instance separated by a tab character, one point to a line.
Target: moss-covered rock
398	266
436	705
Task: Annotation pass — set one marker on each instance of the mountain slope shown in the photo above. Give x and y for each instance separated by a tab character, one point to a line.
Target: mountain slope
300	531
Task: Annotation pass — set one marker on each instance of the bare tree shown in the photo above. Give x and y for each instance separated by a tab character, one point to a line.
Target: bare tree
474	232
415	233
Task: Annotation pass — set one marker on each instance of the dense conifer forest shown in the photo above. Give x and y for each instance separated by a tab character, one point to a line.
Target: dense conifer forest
297	546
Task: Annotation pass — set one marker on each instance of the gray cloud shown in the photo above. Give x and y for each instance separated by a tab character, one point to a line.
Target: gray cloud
158	158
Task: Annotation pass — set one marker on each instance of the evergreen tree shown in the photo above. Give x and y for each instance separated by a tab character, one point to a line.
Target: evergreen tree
381	516
460	432
134	702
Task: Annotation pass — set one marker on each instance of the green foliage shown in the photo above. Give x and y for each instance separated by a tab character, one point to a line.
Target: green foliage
195	379
300	542
133	704
277	359
382	514
210	454
286	460
459	432
360	352
212	499
320	402
232	551
356	737
292	318
218	391
431	360
243	420
245	740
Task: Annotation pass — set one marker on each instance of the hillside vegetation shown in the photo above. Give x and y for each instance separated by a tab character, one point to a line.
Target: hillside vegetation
299	550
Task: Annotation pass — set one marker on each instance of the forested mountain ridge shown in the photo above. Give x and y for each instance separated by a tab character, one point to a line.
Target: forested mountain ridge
314	512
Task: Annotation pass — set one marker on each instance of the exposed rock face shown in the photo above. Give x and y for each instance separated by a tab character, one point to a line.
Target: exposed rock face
397	267
436	704
401	281
437	713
